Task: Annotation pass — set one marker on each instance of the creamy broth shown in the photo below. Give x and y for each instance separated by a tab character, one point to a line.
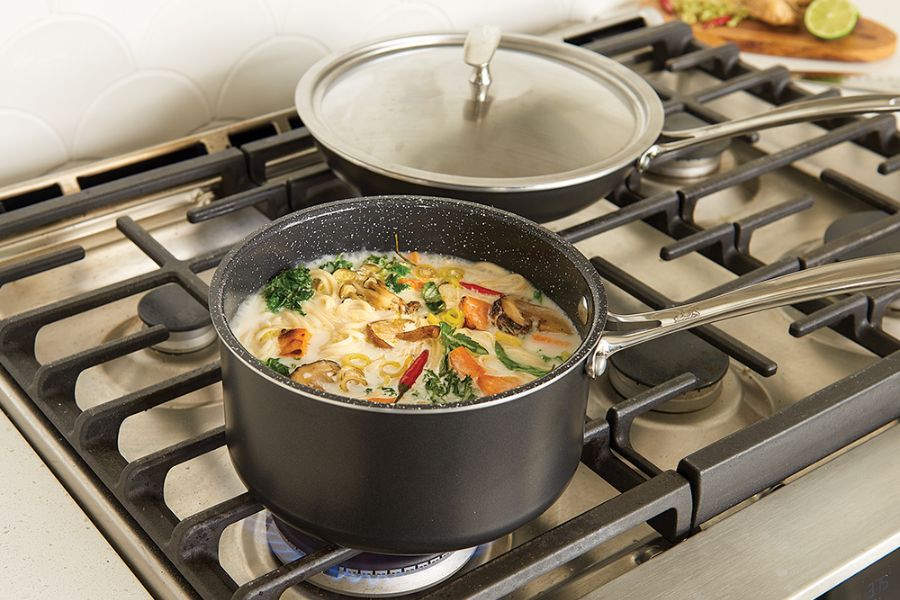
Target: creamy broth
431	328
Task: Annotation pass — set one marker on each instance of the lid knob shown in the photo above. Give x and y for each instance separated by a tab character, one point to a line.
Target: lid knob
481	43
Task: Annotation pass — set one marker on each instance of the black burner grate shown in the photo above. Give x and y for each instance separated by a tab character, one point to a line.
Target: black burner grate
674	502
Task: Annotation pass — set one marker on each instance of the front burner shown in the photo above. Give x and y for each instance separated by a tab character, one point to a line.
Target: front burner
186	319
367	574
635	369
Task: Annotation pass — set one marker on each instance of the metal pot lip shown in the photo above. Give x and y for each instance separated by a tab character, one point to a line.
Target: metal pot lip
639	91
230	343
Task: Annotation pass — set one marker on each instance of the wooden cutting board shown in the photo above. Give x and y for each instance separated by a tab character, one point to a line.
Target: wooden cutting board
869	41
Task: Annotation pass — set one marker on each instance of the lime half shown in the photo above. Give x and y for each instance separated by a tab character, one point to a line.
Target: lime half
830	19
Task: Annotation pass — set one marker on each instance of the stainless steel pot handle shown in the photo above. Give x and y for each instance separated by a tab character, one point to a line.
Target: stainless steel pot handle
478	50
797	112
837	278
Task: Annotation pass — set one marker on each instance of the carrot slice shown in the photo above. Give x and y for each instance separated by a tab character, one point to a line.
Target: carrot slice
464	363
382	400
293	342
414	257
476	312
496	384
415	284
549	339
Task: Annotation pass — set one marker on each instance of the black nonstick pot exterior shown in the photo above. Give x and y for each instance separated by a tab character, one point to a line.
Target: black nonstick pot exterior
406	479
538	204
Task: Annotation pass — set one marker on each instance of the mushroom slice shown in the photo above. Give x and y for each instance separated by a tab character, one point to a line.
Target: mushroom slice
420	333
547	319
381	333
412	306
316	374
348	290
508	318
378	295
344	275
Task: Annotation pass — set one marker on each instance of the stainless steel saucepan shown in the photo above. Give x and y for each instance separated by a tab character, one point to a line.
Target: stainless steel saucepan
536	127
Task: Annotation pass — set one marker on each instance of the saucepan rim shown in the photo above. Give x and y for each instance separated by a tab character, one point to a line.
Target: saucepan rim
597	307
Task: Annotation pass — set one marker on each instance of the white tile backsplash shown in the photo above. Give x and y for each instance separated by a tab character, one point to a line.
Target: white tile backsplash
87	79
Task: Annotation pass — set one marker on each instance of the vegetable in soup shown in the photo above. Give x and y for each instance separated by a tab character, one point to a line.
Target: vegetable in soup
416	328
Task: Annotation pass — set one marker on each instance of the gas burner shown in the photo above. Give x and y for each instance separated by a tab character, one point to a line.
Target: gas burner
730	398
643	366
186	319
703	161
367	574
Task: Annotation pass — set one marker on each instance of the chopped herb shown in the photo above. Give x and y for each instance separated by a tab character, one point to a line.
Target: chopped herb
538	296
278	366
448	386
432	297
514	366
289	289
388	390
392	270
452	339
338	262
368	390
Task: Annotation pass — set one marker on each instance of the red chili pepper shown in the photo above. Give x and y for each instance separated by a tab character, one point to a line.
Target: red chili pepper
411	374
717	22
480	289
667	6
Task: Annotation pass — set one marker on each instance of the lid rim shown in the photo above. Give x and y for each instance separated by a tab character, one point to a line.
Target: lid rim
639	95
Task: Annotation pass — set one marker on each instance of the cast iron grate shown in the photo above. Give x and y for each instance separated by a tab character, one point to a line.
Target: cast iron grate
673	502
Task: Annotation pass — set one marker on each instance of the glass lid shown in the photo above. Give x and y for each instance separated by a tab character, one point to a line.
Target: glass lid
487	111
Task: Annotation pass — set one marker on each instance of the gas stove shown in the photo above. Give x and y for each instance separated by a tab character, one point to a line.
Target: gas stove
736	453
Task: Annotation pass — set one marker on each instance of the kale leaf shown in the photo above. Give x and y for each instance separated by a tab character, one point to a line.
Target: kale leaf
453	339
289	289
514	366
432	297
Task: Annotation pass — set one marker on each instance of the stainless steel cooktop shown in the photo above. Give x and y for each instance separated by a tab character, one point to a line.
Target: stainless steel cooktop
744	396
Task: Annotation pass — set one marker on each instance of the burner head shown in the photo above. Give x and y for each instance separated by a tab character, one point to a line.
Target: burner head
366	574
699	162
856	221
187	320
657	361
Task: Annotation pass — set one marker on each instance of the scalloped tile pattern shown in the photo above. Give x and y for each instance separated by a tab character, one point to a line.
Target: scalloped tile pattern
88	79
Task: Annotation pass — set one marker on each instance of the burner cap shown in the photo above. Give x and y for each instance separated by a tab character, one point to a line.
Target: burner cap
186	319
657	361
173	307
367	574
703	160
856	221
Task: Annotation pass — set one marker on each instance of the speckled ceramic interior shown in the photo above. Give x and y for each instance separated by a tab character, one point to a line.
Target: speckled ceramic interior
463	229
